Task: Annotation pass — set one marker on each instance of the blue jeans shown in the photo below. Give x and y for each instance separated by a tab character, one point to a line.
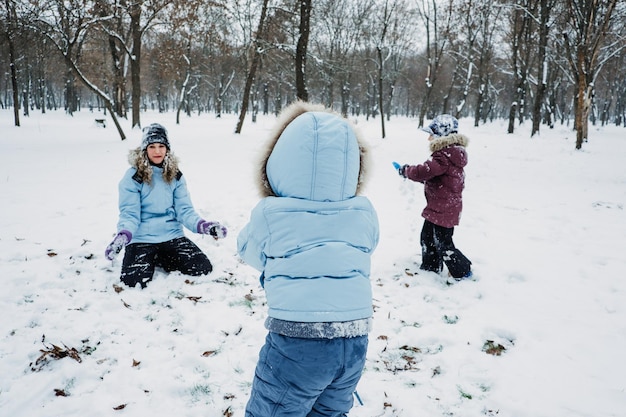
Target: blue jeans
306	377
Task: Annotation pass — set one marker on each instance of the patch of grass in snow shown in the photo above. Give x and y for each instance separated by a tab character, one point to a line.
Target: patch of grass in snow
177	294
477	395
463	393
453	319
247	300
413	324
227	278
198	391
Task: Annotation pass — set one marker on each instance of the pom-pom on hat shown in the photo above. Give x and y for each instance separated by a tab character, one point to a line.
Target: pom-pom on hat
442	125
155	133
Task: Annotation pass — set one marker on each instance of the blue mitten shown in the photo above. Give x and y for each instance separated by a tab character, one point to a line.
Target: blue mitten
400	168
212	228
115	247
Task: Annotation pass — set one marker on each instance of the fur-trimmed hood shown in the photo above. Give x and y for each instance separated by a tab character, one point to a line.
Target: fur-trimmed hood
313	153
138	159
438	144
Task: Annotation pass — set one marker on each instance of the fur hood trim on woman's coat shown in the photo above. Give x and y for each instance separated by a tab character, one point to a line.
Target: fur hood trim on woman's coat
287	116
138	159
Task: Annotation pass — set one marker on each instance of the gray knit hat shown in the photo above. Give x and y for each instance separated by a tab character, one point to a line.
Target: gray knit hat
155	133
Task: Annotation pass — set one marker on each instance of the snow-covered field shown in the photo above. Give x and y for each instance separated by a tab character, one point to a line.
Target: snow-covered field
544	224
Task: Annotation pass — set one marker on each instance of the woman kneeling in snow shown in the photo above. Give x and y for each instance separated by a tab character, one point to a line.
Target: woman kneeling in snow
154	206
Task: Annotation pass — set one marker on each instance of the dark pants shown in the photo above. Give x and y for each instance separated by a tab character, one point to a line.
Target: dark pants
438	248
297	377
179	254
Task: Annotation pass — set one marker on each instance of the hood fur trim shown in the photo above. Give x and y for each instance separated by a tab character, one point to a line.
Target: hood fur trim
445	141
139	160
287	115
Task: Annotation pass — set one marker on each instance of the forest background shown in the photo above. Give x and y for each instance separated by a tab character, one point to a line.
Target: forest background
546	61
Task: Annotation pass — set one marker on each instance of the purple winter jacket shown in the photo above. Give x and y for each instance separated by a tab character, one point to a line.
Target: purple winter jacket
443	178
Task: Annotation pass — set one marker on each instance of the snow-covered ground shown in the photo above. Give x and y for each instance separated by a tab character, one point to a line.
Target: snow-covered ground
544	224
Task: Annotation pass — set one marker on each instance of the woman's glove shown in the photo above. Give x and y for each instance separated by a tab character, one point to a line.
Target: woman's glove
115	247
212	228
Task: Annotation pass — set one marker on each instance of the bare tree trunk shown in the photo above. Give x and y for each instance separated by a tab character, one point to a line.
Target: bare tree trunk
592	21
480	100
41	82
581	113
135	62
25	99
446	99
330	88
10	34
436	43
345	94
542	66
379	52
266	98
105	9
119	83
253	66
468	81
512	111
107	101
224	85
301	50
71	100
520	29
392	89
183	89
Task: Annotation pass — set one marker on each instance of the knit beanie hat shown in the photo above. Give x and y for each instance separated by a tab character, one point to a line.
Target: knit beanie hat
442	125
155	133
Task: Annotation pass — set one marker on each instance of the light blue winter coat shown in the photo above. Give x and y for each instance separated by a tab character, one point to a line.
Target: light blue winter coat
155	212
312	237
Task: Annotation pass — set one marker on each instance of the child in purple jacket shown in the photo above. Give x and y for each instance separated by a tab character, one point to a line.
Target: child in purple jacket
444	179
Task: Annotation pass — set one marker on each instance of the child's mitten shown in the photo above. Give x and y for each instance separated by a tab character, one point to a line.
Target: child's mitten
400	168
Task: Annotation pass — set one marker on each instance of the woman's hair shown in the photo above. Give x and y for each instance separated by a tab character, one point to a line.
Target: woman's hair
139	159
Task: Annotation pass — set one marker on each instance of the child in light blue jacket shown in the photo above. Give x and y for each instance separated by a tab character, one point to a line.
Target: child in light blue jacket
311	237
